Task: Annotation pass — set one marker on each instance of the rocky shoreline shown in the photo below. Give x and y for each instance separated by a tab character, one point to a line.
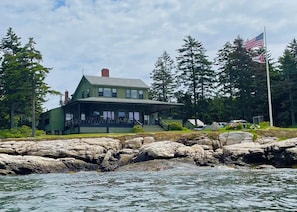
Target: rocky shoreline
235	149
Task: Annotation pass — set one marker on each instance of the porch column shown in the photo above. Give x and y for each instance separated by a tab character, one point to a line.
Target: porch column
79	116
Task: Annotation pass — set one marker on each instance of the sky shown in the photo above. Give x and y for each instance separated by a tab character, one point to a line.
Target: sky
77	37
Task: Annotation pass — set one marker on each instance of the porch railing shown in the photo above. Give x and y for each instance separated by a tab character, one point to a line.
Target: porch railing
137	122
164	124
101	122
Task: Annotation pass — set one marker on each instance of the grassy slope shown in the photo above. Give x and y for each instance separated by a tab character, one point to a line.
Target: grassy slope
281	133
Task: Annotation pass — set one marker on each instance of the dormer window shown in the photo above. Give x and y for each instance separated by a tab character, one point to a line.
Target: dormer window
107	92
128	94
140	94
100	91
134	94
114	92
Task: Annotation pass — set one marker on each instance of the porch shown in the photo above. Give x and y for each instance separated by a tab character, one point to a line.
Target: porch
94	115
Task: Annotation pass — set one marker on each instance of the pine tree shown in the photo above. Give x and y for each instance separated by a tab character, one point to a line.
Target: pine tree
22	76
163	86
288	71
9	78
195	73
237	78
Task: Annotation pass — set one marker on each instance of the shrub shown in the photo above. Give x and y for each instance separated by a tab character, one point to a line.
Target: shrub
264	125
40	132
234	126
175	126
19	132
138	129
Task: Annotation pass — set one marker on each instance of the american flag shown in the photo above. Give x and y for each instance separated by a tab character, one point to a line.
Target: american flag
255	42
259	59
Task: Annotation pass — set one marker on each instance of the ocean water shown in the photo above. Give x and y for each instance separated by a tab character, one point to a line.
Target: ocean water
179	189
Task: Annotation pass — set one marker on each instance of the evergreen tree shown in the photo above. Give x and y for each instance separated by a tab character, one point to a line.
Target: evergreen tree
237	78
10	79
22	78
195	74
242	66
288	71
226	82
163	86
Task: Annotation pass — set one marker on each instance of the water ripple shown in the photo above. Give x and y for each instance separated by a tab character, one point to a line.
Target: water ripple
182	189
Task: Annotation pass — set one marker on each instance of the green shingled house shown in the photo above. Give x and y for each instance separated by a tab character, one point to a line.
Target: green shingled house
105	104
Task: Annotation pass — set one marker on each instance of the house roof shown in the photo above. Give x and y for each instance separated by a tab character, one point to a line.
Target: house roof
152	104
129	101
119	82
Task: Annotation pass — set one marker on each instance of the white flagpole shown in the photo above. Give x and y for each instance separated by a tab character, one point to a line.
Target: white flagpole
268	82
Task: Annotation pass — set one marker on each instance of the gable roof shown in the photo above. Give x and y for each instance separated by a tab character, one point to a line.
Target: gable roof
119	82
153	105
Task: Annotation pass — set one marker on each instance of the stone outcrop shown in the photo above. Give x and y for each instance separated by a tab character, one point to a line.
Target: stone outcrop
109	154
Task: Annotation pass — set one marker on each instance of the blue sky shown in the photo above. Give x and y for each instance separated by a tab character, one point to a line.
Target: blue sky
127	36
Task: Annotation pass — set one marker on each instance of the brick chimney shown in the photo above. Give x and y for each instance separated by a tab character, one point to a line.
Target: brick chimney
66	97
105	72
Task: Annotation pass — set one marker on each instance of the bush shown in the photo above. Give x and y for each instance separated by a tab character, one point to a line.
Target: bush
175	126
19	132
234	126
138	129
264	125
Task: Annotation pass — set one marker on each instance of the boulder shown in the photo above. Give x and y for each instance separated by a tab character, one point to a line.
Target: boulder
110	161
215	126
203	140
73	164
266	140
88	150
243	153
160	164
108	154
148	140
134	143
292	155
17	164
158	150
282	153
229	138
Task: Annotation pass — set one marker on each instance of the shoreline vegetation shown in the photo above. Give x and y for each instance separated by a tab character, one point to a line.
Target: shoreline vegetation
24	133
262	148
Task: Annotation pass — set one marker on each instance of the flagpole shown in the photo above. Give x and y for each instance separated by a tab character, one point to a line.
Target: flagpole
268	82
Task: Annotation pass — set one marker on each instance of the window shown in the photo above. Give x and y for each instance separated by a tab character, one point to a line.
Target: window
107	92
140	94
114	92
88	92
82	94
108	115
100	91
134	94
122	114
134	115
122	117
128	94
69	116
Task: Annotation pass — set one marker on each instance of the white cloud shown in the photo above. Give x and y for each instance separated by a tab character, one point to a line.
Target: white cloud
127	36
